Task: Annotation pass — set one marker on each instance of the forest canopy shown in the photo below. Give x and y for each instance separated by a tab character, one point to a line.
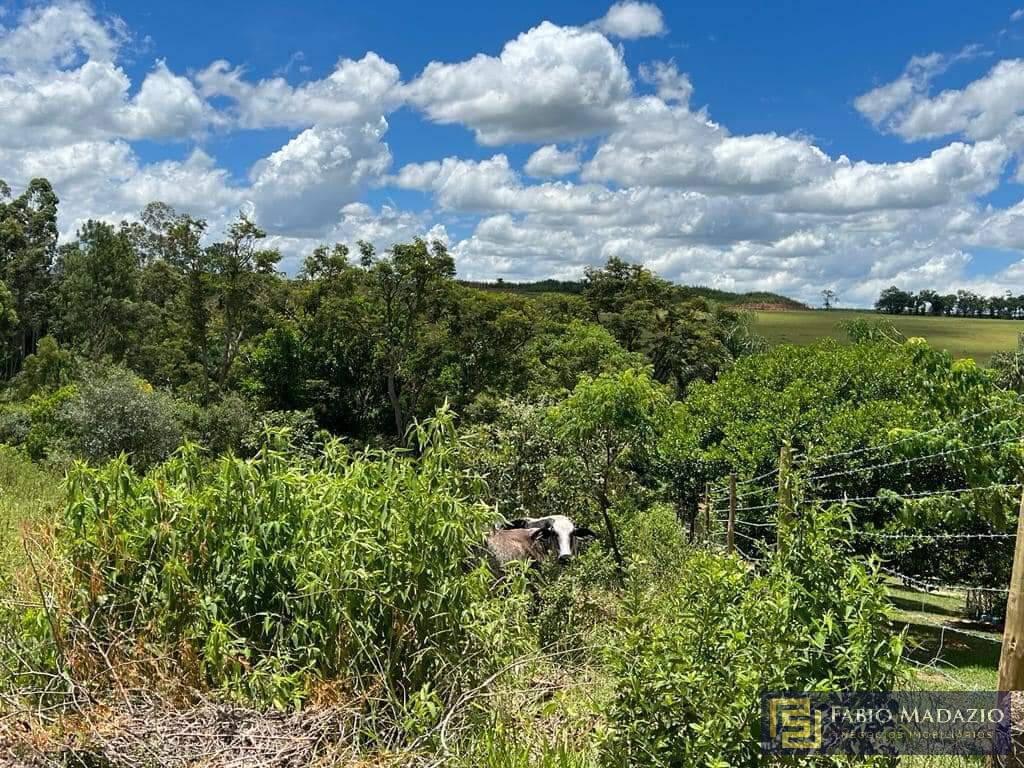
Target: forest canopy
361	342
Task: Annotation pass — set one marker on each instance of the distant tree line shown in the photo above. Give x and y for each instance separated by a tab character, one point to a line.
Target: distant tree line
679	292
537	286
894	301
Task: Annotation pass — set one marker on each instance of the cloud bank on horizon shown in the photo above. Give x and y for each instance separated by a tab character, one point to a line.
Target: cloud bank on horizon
621	164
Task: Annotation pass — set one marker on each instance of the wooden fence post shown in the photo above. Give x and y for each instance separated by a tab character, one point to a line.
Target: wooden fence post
785	494
731	530
1011	657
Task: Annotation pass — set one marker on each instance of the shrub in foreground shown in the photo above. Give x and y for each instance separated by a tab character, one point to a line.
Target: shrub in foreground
275	573
694	654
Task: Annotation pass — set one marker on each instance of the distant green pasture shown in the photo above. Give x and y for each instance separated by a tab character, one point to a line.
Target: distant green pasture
962	337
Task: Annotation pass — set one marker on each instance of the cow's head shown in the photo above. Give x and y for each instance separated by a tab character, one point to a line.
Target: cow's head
558	534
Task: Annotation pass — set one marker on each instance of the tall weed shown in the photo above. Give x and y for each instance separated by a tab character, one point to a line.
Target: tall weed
274	574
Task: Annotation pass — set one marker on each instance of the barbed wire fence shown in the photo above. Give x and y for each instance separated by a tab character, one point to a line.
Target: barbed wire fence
748	518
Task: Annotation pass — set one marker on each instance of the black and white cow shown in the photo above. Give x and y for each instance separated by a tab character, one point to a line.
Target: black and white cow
534	538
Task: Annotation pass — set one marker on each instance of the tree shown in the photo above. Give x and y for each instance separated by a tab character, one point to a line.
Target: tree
608	425
894	301
237	263
338	335
326	265
969	303
625	298
28	244
46	370
687	345
829	298
683	340
558	359
411	287
926	301
485	336
8	323
176	240
97	281
274	369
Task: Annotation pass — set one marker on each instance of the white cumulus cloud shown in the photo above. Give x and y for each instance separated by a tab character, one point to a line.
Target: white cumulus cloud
551	83
631	20
549	160
356	91
303	186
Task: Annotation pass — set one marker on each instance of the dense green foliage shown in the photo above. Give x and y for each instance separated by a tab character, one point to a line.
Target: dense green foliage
694	655
963	303
357	576
365	342
273	573
283	484
873	419
1008	367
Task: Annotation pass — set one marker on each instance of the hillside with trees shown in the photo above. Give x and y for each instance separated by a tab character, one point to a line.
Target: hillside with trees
682	292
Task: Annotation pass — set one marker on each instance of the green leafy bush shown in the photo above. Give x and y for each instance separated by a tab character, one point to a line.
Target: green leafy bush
114	412
47	426
872	419
35	425
275	573
575	602
48	369
300	427
14	424
221	427
693	655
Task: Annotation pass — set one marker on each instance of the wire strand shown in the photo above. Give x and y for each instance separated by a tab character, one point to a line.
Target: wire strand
928	586
913	459
917	435
942	536
919	494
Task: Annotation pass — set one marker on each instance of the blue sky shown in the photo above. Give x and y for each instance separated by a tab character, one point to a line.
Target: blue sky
792	68
741	145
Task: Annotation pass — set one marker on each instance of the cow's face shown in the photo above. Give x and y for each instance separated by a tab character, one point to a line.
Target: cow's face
557	533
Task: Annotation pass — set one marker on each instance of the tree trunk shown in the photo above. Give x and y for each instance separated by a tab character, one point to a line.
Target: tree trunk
225	361
230	349
396	405
613	539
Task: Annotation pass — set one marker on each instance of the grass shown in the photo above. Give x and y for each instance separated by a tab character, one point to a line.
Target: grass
953	661
961	337
960	661
28	495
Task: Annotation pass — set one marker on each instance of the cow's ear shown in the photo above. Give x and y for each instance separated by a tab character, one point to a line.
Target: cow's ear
519	522
585	533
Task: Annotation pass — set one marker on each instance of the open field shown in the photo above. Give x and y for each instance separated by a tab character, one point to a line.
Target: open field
962	337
